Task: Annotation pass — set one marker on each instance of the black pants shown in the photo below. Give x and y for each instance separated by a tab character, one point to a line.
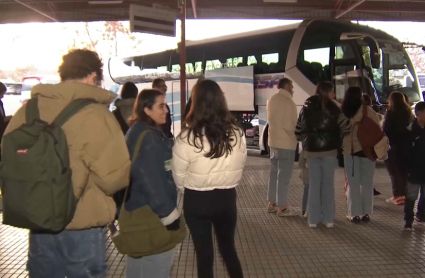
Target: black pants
397	172
203	210
409	205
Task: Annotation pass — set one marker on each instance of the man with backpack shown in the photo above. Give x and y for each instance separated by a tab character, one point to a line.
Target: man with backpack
64	156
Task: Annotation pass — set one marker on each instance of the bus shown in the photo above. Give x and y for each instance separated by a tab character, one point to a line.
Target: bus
314	50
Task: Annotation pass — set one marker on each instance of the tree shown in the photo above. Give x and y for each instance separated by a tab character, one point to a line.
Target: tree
116	31
21	72
418	58
3	75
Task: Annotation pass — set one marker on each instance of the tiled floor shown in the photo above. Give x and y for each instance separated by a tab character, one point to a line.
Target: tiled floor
270	247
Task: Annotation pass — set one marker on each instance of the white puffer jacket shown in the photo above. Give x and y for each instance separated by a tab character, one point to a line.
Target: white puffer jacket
192	170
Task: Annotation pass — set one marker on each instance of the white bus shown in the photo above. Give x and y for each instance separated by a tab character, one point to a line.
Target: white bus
342	52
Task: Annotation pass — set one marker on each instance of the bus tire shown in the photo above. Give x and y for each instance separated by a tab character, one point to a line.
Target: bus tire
266	150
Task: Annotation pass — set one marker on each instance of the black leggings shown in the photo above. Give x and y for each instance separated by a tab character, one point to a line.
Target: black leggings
203	210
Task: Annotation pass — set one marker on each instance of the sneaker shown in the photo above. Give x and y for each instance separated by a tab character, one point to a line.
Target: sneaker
355	219
396	200
304	214
312	225
366	218
287	212
408	226
376	192
419	220
271	208
329	225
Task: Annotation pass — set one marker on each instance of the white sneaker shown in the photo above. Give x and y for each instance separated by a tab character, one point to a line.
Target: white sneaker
312	225
287	212
329	225
271	209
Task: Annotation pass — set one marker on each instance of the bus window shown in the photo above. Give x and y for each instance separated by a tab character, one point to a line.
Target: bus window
198	67
315	65
251	60
270	58
163	68
234	62
344	51
213	64
175	68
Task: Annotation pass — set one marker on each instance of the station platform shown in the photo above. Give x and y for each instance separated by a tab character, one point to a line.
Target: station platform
272	247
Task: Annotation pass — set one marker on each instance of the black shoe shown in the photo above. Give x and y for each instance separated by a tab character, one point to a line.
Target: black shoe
355	219
408	225
376	192
366	218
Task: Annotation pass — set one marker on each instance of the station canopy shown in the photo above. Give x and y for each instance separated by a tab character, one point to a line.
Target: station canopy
20	11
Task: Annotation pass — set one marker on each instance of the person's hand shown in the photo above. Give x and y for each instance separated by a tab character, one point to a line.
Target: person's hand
174	226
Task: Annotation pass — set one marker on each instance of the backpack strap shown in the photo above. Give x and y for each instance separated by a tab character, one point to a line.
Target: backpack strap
70	110
133	159
31	110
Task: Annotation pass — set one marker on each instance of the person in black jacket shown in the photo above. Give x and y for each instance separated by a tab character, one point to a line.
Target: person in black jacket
414	155
398	117
124	106
320	127
159	84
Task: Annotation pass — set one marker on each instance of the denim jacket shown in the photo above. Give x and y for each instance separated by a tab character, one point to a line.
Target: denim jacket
151	178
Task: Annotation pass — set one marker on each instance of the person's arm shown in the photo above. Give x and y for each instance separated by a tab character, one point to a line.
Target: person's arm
180	162
105	152
298	128
149	171
344	124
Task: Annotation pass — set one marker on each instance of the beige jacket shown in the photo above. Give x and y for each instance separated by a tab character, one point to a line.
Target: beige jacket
99	157
282	119
352	136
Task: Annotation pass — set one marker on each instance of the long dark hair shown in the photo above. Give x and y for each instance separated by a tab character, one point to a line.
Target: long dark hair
209	116
322	90
397	103
129	90
146	99
352	102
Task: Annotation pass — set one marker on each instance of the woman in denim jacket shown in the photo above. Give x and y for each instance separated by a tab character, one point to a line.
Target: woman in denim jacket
152	181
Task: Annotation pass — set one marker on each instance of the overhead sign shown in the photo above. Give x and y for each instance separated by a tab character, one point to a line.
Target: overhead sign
152	20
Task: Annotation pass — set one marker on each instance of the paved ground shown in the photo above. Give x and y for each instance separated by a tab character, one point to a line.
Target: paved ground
271	247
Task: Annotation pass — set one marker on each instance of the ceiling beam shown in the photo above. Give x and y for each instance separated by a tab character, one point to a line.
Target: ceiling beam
36	10
349	9
195	13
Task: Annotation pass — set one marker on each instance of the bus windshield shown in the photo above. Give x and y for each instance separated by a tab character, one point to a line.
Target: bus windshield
396	74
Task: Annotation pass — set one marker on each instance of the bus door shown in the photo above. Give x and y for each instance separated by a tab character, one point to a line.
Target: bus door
349	66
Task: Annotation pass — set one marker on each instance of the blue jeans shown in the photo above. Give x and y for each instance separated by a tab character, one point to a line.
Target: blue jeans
360	185
411	196
282	162
158	266
321	194
71	254
305	196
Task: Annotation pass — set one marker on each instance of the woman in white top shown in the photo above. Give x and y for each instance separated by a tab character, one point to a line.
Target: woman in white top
208	159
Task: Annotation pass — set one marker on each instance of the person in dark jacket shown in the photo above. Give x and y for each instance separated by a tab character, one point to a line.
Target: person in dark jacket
152	180
398	117
414	155
320	127
124	106
159	84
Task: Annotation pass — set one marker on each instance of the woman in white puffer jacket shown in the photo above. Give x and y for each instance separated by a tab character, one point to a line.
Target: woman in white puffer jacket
208	159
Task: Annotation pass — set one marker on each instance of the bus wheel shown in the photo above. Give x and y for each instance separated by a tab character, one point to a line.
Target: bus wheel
266	142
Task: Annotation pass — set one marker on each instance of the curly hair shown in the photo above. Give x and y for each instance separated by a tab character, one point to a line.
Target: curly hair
210	118
79	63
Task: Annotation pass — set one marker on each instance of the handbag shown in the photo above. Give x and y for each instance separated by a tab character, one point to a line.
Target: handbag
141	232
